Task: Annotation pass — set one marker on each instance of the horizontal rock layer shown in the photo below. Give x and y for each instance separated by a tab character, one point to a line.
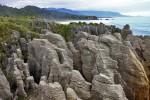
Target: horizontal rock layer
89	67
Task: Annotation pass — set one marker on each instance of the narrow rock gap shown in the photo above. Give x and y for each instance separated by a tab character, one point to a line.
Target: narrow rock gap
48	75
140	54
60	57
34	74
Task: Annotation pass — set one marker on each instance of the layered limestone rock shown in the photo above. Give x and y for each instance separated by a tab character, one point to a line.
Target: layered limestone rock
51	91
71	95
95	58
47	59
141	46
91	29
90	67
104	89
130	66
57	40
80	86
12	70
18	72
77	63
109	55
5	92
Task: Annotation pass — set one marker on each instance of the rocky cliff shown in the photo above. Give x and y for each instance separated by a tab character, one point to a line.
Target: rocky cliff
111	66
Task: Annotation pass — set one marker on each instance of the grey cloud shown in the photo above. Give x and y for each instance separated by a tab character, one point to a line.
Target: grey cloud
107	5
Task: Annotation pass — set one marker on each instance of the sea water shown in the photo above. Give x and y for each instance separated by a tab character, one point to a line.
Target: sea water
139	25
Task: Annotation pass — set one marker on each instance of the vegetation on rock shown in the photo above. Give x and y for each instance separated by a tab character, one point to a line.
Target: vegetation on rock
64	30
21	24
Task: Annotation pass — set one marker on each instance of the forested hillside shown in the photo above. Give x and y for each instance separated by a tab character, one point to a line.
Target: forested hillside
39	12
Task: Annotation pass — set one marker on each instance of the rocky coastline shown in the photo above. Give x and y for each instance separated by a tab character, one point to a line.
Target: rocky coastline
90	66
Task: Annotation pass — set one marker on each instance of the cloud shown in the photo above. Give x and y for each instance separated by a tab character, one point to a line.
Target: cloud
145	13
107	5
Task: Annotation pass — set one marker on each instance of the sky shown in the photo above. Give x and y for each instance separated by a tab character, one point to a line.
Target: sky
128	7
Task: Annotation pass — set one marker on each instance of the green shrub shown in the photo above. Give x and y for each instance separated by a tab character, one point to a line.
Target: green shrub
12	42
115	29
64	30
2	56
34	35
20	24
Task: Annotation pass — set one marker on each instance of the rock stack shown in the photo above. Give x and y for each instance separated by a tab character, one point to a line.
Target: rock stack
90	67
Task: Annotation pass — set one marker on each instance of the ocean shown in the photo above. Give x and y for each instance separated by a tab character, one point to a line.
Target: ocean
139	25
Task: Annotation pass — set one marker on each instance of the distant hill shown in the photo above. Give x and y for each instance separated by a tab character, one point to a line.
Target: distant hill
88	13
40	12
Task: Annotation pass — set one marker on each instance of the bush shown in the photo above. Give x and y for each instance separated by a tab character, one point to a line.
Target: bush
115	29
13	42
34	35
20	24
2	56
63	30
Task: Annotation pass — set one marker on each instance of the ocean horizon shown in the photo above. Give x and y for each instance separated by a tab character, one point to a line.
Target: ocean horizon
138	25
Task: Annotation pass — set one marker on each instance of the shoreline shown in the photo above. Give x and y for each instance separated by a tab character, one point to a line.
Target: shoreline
137	26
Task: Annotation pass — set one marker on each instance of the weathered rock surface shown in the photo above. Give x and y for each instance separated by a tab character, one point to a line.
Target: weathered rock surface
57	40
51	91
91	29
89	67
104	89
71	95
46	59
5	92
142	46
107	55
77	63
80	86
130	66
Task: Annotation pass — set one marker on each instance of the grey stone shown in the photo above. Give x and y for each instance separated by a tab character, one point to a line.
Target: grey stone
80	86
101	90
16	35
46	59
51	91
5	92
71	95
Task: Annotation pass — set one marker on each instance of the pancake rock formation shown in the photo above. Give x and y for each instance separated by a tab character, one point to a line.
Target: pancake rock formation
114	66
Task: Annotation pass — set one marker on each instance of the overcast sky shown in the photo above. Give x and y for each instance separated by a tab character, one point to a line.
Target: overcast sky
130	7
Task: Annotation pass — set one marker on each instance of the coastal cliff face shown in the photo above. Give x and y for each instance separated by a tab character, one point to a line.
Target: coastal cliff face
111	66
